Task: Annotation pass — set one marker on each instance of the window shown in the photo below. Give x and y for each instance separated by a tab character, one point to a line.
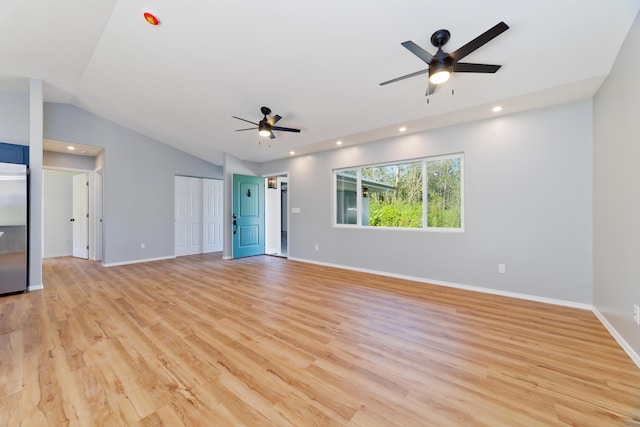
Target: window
417	194
346	197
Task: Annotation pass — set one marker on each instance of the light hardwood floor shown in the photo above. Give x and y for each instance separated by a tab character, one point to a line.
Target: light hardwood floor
198	341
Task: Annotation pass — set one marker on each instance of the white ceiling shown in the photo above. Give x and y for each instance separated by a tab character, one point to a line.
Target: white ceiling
317	64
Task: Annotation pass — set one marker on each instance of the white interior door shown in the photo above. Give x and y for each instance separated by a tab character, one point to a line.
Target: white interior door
188	215
272	220
80	216
276	218
212	197
97	220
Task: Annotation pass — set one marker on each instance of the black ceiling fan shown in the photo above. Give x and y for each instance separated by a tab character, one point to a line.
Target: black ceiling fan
266	126
442	64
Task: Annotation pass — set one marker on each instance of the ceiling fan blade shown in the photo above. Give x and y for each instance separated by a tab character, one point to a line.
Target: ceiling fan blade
272	136
239	130
465	67
417	73
430	89
280	128
418	51
244	120
479	41
273	120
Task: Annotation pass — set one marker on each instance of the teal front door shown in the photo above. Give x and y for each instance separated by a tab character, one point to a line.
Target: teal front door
248	216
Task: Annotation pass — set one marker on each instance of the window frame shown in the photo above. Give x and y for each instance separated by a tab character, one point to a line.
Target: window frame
425	201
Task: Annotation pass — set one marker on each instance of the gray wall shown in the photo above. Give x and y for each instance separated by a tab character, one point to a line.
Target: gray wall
14	118
67	161
616	195
528	205
138	181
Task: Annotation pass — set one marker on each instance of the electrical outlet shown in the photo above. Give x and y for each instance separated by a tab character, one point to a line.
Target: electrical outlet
142	246
317	247
502	268
636	314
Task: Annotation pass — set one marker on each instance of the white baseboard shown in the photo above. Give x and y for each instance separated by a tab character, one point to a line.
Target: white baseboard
528	297
227	257
37	287
56	255
614	333
137	261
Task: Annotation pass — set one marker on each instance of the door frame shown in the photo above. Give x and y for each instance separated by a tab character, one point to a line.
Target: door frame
278	175
92	205
95	250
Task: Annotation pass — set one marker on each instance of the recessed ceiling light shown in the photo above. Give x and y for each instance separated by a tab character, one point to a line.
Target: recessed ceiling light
496	109
71	147
338	142
292	152
403	129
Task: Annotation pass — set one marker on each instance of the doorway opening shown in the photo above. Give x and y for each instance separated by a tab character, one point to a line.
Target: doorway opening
62	161
69	214
276	215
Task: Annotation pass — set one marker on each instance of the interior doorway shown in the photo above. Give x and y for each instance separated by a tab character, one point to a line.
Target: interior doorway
68	213
277	215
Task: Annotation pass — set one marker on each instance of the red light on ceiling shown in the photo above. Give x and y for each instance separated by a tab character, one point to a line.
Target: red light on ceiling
151	18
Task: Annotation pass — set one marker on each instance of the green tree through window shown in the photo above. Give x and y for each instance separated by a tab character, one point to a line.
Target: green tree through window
444	204
401	204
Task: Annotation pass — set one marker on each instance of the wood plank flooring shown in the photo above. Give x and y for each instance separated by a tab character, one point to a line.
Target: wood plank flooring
263	341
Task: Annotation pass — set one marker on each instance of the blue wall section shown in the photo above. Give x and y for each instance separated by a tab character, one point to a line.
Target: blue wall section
12	153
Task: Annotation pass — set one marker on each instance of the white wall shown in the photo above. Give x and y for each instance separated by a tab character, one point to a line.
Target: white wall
616	194
527	204
57	212
36	119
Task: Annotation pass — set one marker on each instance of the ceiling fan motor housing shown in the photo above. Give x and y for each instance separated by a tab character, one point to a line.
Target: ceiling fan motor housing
440	38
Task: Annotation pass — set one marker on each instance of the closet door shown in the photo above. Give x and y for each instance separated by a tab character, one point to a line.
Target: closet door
188	215
212	197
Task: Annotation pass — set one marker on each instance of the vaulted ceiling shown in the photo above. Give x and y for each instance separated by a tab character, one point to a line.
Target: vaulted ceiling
316	64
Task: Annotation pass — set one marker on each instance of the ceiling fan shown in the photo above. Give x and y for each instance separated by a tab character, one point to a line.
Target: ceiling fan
442	64
266	126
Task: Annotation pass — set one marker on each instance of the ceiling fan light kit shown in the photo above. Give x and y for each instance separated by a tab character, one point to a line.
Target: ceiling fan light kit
439	74
443	64
264	129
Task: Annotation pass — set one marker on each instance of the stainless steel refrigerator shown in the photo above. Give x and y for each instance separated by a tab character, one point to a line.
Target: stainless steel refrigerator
13	228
